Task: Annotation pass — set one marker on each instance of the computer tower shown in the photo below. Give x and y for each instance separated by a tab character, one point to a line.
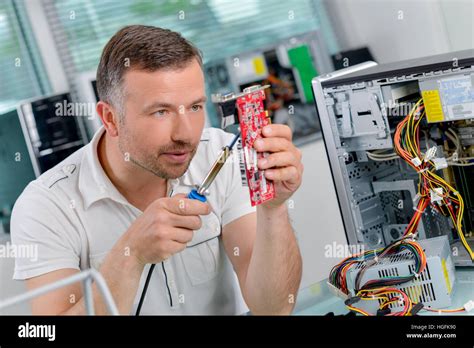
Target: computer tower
359	109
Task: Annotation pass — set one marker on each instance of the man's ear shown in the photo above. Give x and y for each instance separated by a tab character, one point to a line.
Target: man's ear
109	117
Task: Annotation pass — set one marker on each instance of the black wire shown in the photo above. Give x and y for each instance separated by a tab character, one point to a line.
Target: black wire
148	277
147	281
389	282
234	141
145	288
166	282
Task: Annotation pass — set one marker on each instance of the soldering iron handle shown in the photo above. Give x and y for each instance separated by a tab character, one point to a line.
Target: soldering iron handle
195	195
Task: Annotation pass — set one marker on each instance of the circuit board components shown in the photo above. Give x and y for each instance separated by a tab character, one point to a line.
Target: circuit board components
252	117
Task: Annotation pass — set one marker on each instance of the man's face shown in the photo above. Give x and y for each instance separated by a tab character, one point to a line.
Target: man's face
163	118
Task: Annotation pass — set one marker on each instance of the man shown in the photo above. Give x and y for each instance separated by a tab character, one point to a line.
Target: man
119	204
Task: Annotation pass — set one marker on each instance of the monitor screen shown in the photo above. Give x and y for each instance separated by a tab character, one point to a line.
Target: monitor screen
52	129
94	87
16	169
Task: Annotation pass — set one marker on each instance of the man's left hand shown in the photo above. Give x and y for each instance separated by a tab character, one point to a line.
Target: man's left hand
283	164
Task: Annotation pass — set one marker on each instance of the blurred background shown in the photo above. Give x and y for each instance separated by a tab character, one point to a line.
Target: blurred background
49	51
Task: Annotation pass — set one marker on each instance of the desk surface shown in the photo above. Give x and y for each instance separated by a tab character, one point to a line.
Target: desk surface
318	300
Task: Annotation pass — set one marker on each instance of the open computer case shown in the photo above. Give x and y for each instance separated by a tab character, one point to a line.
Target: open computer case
359	109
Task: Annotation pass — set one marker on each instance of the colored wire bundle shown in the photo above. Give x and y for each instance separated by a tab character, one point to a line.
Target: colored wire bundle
385	296
338	274
395	248
432	190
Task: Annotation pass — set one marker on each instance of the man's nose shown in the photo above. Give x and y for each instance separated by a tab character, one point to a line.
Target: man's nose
182	126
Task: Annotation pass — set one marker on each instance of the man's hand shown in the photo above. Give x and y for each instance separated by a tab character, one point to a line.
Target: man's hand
161	231
283	165
165	228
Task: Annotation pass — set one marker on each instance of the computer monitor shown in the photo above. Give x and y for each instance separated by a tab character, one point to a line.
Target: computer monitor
16	169
51	129
352	57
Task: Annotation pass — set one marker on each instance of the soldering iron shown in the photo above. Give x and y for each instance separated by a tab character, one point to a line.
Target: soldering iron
200	192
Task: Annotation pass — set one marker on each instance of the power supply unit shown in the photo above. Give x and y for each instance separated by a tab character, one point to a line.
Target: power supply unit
433	287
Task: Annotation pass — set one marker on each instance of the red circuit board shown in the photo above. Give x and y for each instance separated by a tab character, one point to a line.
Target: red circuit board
252	118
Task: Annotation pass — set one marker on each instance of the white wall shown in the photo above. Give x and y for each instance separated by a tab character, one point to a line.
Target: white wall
403	29
316	216
459	20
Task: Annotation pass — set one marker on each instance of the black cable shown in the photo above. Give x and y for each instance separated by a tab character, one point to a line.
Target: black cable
145	288
166	282
148	277
147	281
234	141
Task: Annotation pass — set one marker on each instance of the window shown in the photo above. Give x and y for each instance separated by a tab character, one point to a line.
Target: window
19	74
219	28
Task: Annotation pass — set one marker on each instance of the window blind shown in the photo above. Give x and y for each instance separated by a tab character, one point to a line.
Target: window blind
220	28
20	73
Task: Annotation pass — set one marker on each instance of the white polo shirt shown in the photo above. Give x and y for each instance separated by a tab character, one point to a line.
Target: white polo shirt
74	214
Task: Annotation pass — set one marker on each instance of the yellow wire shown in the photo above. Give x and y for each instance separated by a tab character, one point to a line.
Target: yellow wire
410	132
432	180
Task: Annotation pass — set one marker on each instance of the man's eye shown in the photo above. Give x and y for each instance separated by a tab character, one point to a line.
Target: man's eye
162	112
196	107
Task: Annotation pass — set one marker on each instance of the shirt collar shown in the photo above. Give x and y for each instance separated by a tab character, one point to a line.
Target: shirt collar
94	184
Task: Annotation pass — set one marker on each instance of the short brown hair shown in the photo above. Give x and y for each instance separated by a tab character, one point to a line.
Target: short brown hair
142	47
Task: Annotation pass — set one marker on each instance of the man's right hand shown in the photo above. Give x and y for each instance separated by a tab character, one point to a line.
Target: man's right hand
164	228
161	231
